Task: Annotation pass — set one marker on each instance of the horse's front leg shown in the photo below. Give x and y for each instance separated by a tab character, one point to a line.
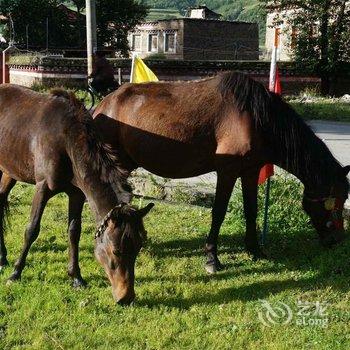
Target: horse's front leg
224	186
250	203
76	203
41	196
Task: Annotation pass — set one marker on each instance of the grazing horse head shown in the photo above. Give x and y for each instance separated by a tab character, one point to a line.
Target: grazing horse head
326	209
117	244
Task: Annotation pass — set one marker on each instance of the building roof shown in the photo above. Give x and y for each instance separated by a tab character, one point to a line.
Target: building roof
71	14
191	19
208	14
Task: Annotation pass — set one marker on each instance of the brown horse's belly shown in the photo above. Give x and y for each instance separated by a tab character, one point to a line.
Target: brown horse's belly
11	163
16	159
171	158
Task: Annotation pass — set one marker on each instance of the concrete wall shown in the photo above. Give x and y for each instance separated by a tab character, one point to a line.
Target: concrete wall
220	40
160	28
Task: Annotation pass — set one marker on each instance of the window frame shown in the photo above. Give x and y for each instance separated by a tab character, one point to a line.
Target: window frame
133	48
175	46
149	43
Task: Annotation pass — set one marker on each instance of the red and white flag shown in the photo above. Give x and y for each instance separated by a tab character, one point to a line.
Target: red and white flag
275	86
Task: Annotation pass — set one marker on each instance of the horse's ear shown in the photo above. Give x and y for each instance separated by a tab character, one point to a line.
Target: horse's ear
144	211
346	170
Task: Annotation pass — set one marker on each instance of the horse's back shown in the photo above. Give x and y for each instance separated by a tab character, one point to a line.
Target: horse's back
168	128
28	130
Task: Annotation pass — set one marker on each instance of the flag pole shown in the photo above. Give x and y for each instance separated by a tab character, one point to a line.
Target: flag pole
134	55
272	85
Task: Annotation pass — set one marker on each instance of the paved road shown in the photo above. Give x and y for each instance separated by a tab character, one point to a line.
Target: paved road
336	135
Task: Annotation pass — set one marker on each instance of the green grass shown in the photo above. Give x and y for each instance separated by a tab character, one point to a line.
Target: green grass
323	109
157	14
178	306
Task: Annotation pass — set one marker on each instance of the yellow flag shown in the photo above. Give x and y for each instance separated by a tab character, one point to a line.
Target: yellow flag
140	73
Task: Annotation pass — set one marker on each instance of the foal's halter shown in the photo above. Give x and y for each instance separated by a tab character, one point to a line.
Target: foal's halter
334	207
104	222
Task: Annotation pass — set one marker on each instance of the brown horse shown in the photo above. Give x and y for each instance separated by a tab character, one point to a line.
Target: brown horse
232	125
50	141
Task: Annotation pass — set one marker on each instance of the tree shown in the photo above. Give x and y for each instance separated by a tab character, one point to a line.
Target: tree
32	15
114	19
322	40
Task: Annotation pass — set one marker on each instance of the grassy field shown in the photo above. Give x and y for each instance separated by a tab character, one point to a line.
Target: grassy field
157	14
178	306
323	109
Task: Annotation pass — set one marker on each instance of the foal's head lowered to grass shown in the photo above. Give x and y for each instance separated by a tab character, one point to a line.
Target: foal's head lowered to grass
117	243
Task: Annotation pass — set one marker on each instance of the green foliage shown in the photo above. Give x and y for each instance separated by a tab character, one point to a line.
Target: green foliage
114	19
178	305
156	56
34	14
323	35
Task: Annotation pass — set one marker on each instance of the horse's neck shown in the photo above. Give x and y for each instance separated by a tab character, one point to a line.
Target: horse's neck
100	194
313	171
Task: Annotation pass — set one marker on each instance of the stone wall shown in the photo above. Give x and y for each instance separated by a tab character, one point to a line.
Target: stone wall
223	40
71	72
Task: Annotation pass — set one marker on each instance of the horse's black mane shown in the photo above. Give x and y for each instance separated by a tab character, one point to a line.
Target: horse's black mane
294	144
100	155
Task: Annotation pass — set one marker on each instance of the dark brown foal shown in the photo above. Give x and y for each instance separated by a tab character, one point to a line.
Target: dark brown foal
50	141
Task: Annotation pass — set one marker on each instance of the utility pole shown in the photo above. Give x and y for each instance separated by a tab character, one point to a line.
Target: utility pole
91	32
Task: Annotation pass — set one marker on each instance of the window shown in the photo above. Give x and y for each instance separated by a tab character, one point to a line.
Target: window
152	43
170	44
136	42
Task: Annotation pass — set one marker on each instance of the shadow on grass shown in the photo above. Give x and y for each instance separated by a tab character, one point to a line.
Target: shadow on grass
251	292
302	253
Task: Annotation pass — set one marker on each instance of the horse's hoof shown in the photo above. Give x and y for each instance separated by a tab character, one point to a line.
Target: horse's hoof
256	252
3	266
79	283
260	256
213	267
13	278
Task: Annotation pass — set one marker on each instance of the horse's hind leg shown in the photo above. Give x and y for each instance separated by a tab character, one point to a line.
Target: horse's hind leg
250	202
76	202
6	185
224	186
41	196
